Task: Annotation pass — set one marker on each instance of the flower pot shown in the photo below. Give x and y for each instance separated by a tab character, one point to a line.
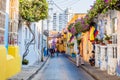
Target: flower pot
109	42
103	44
25	62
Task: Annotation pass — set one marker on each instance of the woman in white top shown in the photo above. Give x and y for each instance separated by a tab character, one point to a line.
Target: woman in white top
78	57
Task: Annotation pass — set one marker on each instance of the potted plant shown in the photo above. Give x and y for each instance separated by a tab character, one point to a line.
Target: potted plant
78	42
71	45
70	26
107	38
97	41
102	42
25	62
73	54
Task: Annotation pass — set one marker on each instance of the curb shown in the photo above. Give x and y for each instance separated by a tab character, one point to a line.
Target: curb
38	69
86	70
90	73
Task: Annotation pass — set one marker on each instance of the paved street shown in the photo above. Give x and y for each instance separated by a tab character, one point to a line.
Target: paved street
60	68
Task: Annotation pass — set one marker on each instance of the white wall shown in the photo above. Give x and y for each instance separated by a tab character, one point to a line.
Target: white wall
24	36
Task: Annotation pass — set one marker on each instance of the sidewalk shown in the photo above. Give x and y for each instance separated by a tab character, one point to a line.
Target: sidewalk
95	72
29	72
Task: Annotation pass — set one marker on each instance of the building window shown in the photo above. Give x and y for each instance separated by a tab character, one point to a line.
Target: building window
2	20
114	30
13	24
2	5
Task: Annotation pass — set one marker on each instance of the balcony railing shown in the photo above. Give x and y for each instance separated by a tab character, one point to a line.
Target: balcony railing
106	57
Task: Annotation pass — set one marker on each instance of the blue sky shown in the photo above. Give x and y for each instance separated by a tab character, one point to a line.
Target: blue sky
78	6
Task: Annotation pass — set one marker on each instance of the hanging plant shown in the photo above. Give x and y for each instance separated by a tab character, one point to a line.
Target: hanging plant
117	6
71	44
78	41
78	27
73	30
70	26
100	6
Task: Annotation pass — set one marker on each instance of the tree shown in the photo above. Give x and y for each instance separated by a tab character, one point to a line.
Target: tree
32	11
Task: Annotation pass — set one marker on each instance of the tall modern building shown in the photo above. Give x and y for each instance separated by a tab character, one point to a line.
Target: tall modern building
64	18
56	21
68	15
50	15
60	20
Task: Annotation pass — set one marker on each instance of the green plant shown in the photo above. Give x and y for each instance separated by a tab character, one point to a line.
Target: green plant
96	39
71	44
78	41
101	40
78	27
70	26
107	37
73	54
32	11
25	61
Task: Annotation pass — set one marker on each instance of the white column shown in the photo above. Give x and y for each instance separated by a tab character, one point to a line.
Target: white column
103	57
112	60
97	55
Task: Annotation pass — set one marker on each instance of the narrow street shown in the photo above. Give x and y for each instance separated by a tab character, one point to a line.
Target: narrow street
60	68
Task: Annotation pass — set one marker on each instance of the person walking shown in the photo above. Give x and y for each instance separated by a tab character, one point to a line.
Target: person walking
81	60
78	57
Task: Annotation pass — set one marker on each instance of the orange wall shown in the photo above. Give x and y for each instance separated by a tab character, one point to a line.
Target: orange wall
86	47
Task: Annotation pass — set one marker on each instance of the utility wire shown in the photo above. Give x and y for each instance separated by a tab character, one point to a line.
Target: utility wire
64	3
60	9
74	3
57	6
60	1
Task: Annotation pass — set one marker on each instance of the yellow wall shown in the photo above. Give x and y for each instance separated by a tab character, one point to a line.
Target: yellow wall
2	62
77	16
10	64
16	61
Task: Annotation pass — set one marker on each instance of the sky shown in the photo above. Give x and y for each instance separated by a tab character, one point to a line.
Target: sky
78	6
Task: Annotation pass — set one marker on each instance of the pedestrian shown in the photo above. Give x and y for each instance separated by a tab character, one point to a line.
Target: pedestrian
81	60
57	51
78	57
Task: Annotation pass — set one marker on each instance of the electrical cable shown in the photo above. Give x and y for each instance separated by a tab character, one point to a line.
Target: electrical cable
74	3
57	6
61	1
65	3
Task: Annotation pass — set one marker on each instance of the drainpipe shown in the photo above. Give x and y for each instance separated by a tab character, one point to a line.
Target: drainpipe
6	23
42	45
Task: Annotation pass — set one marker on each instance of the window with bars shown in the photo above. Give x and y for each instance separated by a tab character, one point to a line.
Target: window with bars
2	20
13	24
2	5
114	28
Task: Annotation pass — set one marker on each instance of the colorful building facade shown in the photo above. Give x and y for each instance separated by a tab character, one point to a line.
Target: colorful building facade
10	61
